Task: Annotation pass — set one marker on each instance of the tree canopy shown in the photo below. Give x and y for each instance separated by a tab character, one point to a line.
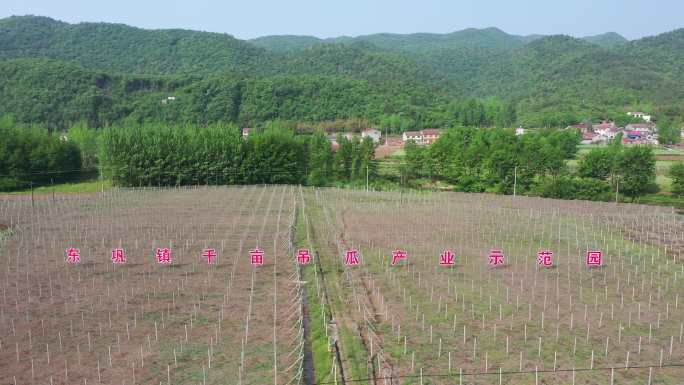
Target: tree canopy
427	79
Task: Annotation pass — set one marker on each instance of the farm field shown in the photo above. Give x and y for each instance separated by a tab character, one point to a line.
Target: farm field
325	322
186	322
451	323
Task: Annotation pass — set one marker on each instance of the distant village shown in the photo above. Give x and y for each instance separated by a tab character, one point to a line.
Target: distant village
601	133
633	133
422	137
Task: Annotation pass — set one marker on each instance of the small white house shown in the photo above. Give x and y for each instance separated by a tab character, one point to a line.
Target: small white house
646	118
415	136
168	99
372	133
606	131
639	127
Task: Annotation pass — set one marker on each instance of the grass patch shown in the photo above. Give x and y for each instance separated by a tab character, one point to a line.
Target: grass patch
5	233
87	186
662	200
354	353
399	153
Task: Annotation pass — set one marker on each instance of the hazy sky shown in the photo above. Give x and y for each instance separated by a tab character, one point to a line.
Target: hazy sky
325	18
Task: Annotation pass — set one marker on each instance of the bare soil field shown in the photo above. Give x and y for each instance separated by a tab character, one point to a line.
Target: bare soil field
187	322
388	149
520	323
414	322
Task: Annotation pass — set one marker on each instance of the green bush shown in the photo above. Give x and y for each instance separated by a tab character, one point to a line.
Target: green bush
571	187
33	156
676	172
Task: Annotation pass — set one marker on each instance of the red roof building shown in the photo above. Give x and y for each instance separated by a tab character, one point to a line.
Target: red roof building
426	136
430	135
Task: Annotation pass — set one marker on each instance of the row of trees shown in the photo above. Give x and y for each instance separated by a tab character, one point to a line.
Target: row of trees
496	160
490	112
31	155
492	160
629	170
217	154
475	160
159	154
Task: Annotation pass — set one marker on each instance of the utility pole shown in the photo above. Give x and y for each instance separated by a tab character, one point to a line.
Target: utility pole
515	180
32	205
617	189
366	177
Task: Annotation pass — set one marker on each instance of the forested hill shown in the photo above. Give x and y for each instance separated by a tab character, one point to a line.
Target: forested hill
486	38
120	72
664	52
59	94
609	39
490	38
119	48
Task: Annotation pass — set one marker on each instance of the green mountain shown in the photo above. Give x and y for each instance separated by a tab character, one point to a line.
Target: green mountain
664	53
488	38
608	40
572	76
59	94
117	72
120	48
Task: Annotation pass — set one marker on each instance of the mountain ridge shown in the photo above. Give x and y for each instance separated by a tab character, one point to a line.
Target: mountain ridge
294	42
553	79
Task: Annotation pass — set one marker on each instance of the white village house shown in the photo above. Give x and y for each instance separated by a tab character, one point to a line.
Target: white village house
643	128
372	133
646	118
426	136
606	130
415	136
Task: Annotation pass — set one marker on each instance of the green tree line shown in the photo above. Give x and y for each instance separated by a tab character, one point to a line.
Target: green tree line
164	155
492	160
30	155
155	154
497	160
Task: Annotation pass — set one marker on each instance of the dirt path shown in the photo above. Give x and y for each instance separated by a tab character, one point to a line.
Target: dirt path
359	310
373	343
